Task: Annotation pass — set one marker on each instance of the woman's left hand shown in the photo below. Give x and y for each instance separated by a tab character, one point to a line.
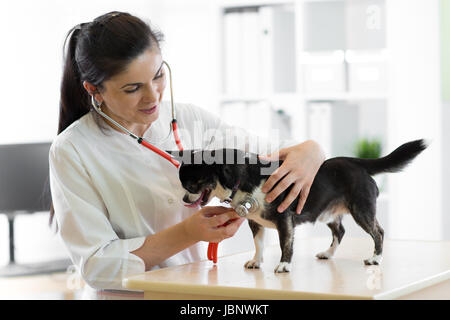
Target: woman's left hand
300	165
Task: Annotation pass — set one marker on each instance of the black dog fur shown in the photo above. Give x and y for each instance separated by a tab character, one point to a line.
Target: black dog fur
342	184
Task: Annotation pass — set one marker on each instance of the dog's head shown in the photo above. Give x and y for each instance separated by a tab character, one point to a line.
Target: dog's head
207	174
199	182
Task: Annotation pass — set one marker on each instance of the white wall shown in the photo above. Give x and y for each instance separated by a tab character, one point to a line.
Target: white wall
33	32
192	49
445	85
415	109
446	170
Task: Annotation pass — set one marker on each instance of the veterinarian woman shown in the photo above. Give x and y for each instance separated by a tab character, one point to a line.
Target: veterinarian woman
118	206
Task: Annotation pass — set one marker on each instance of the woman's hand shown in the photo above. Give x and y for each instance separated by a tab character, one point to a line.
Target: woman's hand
300	165
204	225
208	224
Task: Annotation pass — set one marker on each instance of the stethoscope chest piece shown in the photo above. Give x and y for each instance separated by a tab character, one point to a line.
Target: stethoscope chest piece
248	205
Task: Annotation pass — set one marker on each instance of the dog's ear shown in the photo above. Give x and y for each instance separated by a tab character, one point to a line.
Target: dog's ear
227	171
176	154
183	156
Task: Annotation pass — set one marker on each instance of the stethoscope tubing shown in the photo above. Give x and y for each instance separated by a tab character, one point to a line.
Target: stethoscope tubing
213	246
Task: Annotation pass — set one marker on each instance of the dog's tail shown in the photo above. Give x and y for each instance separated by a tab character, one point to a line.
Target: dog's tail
396	160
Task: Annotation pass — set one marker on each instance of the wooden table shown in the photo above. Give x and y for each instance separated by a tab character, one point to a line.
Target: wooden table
410	270
55	286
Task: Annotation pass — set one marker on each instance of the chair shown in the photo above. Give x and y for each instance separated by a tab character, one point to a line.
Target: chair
25	189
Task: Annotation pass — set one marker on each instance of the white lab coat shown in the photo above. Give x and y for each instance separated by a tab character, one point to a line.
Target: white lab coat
109	192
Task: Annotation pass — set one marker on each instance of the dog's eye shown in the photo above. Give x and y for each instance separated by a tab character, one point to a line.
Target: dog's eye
189	187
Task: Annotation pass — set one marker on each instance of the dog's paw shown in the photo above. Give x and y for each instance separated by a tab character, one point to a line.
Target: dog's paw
283	267
323	255
375	260
253	264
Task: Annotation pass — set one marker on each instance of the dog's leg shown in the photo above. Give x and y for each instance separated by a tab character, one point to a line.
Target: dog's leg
258	237
286	232
364	216
378	237
337	230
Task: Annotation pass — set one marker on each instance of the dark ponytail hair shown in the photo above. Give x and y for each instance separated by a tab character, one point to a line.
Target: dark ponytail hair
97	51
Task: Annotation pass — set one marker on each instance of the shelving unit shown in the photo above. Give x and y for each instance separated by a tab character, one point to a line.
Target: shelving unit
323	64
307	50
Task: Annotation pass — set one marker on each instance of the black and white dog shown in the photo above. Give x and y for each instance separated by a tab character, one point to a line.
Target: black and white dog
342	185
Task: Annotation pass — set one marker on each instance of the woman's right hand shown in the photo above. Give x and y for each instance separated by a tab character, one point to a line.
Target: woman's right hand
207	224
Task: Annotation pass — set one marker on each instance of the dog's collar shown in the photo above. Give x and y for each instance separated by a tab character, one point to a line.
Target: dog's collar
233	192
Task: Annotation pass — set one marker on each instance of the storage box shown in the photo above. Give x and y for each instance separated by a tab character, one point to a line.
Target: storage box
323	73
367	73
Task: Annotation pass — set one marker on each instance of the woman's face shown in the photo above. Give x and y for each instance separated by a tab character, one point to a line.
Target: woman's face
133	96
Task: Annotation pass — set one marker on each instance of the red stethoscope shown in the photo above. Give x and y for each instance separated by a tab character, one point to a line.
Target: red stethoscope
212	247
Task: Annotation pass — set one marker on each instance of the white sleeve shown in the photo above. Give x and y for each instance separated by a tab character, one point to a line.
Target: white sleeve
219	134
82	220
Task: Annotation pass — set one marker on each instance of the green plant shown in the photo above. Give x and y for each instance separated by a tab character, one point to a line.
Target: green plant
368	149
